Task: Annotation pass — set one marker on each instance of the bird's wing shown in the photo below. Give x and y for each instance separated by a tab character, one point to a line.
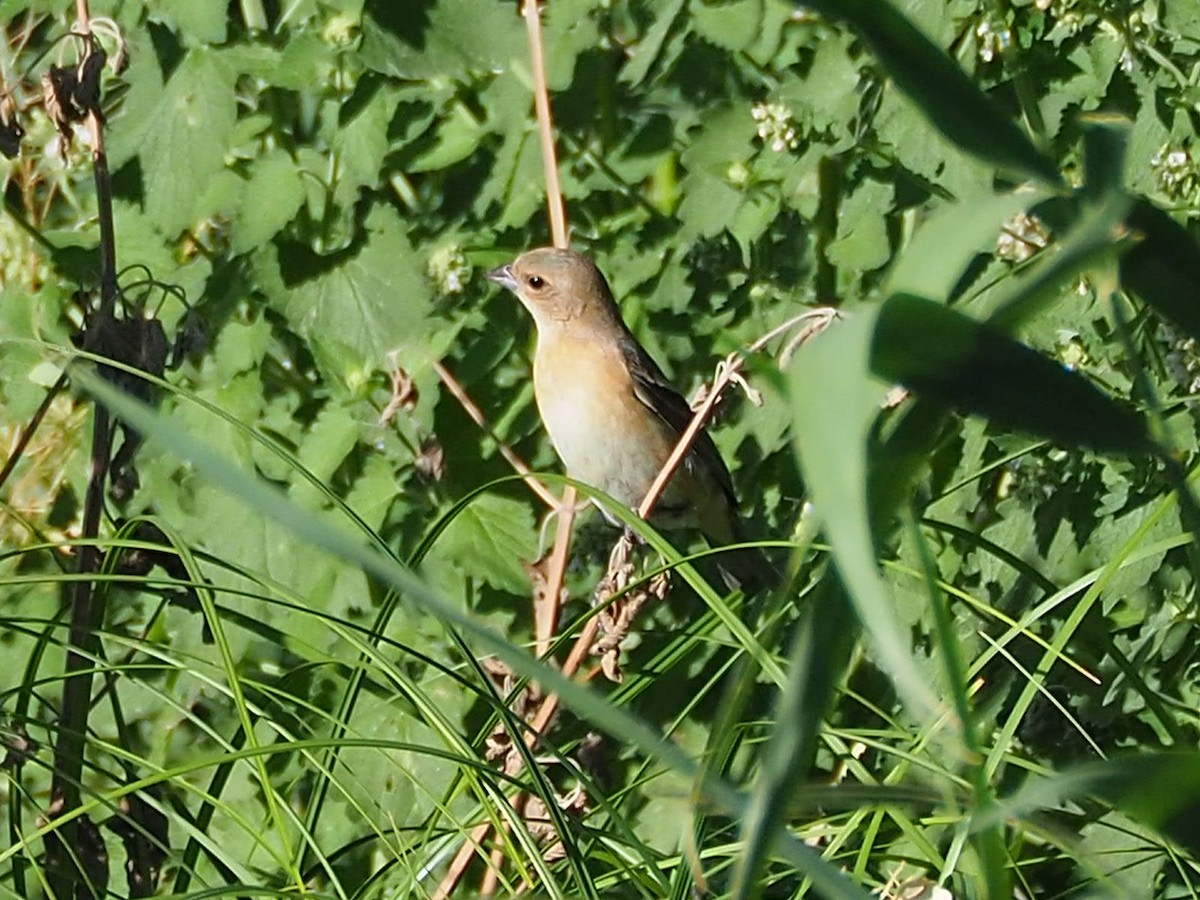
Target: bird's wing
651	387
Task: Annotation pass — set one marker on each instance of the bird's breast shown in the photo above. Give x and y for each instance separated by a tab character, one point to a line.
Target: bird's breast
604	435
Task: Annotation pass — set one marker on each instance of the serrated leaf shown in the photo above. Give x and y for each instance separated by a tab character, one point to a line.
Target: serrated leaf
138	110
272	197
449	40
1160	790
647	51
862	238
361	142
366	304
828	94
490	538
729	24
185	144
946	356
194	21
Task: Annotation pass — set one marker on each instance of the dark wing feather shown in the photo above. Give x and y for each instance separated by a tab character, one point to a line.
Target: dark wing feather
651	387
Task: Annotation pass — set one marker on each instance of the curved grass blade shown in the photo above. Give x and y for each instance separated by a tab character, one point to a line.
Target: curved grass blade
945	356
940	89
1163	269
835	401
820	653
587	702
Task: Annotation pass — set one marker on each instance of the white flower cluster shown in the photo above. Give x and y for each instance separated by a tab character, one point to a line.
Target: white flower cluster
775	126
448	269
1176	171
993	39
1022	236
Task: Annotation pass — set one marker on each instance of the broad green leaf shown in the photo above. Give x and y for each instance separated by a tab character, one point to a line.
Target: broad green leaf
272	196
366	303
448	39
648	50
457	137
862	234
946	356
835	401
570	28
196	21
332	435
947	97
493	535
139	109
827	95
361	143
185	145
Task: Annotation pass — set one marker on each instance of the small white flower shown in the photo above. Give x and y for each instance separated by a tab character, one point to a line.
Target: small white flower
1022	236
448	269
993	40
1176	171
775	126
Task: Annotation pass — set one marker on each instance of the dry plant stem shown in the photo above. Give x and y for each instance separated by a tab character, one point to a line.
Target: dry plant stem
491	877
87	606
31	429
545	615
462	859
729	372
452	384
531	10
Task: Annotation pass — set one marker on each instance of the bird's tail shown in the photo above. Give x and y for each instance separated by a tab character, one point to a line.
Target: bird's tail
747	569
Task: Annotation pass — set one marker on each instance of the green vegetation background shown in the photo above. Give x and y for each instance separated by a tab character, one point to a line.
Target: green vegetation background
325	182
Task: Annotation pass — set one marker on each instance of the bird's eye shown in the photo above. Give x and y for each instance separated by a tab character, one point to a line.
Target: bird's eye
536	282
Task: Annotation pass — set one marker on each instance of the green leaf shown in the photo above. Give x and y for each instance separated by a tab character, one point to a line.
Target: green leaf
195	21
862	237
451	40
370	301
361	143
186	143
945	356
729	24
1092	238
648	50
940	89
272	197
820	652
491	537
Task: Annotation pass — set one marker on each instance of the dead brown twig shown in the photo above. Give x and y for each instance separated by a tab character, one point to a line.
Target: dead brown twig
547	603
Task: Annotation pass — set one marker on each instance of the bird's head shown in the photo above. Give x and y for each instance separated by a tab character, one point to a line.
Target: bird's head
558	286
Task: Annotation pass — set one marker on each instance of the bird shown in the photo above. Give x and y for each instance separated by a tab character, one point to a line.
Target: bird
610	412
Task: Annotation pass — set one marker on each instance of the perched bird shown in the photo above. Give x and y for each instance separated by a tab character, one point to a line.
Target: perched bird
611	413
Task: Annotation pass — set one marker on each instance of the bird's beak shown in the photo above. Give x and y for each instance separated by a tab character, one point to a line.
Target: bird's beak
503	276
